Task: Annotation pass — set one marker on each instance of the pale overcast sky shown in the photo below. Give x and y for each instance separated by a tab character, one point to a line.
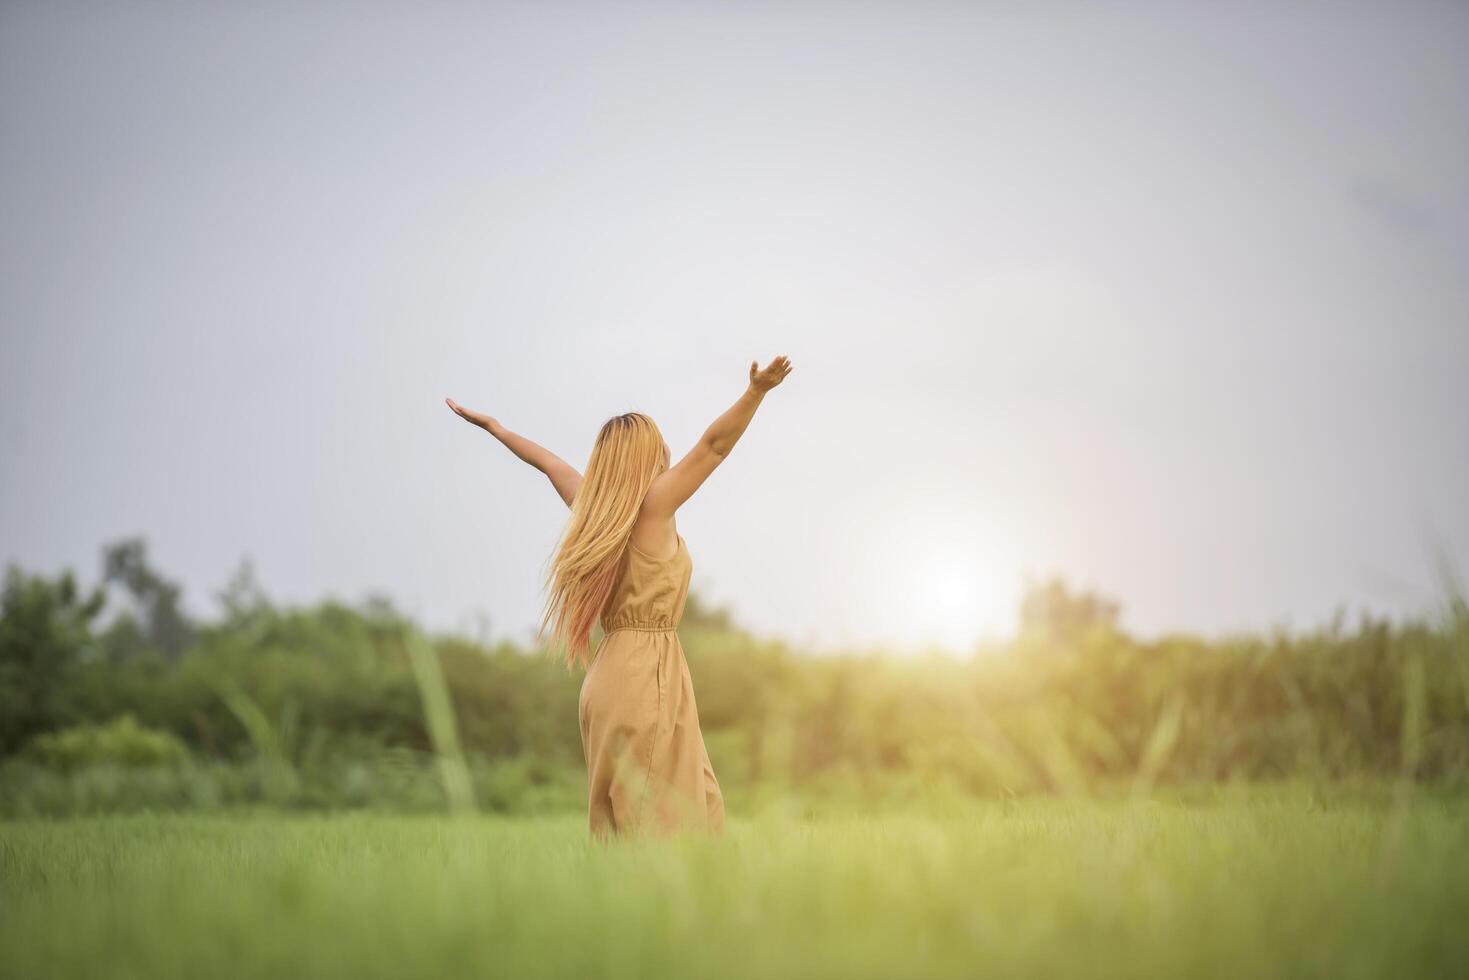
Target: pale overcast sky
1172	300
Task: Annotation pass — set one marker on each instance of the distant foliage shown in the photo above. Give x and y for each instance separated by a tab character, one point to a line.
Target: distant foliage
319	706
1052	614
122	742
45	634
157	621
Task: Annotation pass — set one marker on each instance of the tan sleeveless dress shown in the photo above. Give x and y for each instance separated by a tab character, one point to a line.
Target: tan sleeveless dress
647	768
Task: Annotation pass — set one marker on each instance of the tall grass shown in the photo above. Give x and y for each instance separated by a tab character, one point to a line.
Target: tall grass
1236	884
439	716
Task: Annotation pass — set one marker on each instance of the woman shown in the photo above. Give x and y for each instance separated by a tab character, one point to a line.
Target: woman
622	562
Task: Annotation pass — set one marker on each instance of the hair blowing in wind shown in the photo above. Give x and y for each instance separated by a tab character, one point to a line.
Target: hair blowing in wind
628	454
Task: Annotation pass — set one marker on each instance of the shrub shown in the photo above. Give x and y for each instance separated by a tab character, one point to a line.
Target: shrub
121	742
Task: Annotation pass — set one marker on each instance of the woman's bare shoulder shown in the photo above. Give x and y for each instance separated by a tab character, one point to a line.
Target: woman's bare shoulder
655	536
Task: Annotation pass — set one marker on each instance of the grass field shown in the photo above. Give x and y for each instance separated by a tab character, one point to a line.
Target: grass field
1232	884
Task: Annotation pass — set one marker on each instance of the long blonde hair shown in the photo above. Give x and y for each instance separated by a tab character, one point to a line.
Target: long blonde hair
628	454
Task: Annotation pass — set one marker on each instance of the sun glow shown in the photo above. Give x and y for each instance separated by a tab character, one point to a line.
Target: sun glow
953	600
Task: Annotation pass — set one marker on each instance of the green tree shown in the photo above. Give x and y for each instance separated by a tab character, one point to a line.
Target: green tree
1052	612
699	613
45	630
162	623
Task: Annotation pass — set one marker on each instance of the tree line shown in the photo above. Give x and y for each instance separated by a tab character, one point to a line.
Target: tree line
318	704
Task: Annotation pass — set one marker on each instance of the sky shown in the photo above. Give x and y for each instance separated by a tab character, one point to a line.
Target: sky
1169	300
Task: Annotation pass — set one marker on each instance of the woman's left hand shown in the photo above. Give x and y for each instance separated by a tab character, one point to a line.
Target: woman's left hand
469	415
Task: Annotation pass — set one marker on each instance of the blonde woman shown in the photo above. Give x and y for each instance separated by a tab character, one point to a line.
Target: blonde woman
622	563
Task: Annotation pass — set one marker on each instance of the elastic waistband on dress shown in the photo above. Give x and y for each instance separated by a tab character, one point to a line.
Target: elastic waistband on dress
643	628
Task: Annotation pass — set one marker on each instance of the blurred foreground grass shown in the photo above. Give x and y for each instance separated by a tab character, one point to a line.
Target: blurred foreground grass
1234	882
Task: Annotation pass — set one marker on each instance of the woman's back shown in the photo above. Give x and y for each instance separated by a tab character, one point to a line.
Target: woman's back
647	765
649	592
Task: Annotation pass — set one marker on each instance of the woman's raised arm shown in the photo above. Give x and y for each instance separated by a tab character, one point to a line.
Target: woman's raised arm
677	484
563	475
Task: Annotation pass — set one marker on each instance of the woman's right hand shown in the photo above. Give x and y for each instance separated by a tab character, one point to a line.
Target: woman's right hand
775	372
